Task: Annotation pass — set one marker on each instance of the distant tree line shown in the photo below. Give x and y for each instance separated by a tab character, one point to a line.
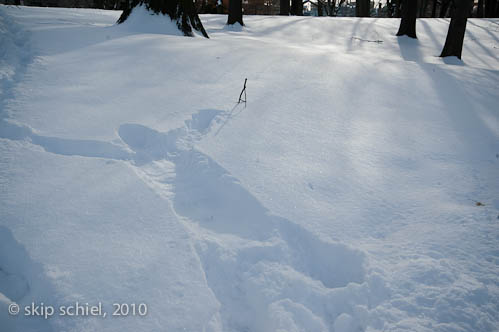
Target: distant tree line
362	8
185	12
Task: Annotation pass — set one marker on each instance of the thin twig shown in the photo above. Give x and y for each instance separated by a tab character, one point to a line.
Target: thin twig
367	40
241	95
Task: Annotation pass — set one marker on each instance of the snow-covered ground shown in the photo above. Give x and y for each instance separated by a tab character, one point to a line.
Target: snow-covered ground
358	189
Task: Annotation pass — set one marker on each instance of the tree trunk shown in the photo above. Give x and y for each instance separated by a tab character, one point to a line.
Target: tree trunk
319	8
422	9
397	8
363	8
284	7
332	8
434	9
182	12
457	27
408	21
235	12
444	7
479	10
297	7
490	8
389	9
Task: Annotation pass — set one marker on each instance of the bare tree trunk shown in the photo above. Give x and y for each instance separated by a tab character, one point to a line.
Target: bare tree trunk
444	7
235	12
434	9
397	8
332	8
490	8
363	8
422	9
457	27
284	7
479	10
389	8
297	7
408	21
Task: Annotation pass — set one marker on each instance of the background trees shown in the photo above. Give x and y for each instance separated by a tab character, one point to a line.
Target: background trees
362	8
408	21
297	7
457	27
235	12
284	7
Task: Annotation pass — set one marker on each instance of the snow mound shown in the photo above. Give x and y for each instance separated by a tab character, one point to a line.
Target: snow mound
143	20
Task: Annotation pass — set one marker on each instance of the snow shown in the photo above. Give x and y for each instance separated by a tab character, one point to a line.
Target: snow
144	21
342	197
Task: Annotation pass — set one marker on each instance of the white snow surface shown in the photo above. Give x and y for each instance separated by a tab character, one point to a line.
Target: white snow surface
357	190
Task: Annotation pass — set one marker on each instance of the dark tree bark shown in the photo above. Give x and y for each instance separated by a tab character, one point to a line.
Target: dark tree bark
479	10
284	7
389	9
422	8
319	8
444	7
123	4
297	7
434	9
363	8
235	12
397	8
182	12
332	7
408	21
490	8
457	27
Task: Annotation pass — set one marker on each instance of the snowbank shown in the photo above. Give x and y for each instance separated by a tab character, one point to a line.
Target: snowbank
342	197
145	21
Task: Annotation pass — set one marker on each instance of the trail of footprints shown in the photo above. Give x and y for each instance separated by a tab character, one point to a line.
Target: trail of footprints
268	273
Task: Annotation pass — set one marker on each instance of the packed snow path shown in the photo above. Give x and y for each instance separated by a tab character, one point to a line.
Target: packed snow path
356	192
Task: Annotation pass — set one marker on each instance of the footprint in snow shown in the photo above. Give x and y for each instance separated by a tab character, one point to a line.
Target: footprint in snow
267	272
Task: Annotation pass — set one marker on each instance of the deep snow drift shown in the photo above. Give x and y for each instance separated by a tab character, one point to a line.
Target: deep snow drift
356	191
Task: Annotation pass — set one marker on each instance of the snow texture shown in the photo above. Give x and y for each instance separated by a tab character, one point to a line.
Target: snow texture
357	190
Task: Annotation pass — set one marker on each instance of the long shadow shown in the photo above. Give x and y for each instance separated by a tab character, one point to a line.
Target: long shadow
429	32
492	35
410	48
485	49
283	26
369	23
455	97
